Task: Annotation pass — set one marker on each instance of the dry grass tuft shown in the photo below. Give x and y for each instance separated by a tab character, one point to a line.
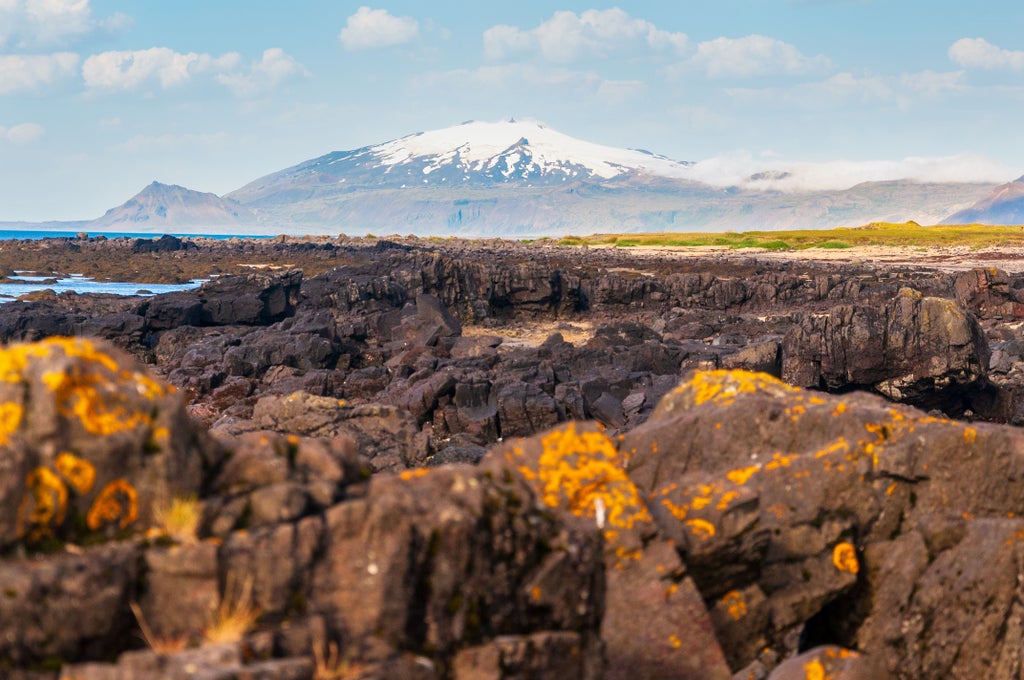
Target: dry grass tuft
160	645
179	519
236	614
331	666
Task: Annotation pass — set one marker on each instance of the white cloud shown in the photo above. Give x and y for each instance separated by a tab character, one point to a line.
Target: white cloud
980	53
30	23
127	70
275	67
372	28
567	36
29	72
24	133
755	55
738	169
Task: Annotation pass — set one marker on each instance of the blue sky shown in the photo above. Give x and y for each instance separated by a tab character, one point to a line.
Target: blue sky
100	97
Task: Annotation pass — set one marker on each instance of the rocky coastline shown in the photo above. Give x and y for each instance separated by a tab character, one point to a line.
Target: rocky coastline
446	459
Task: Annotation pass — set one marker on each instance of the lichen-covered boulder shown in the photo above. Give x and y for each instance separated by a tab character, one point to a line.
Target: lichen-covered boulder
434	561
89	442
655	623
808	519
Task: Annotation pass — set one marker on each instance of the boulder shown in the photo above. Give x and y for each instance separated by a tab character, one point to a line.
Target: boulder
914	349
90	442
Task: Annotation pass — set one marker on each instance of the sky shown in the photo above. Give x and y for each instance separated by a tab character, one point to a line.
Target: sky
100	97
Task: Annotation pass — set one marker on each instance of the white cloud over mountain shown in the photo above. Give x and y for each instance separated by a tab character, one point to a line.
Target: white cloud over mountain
980	53
771	173
274	68
568	36
21	73
129	69
23	133
34	23
162	66
373	28
755	55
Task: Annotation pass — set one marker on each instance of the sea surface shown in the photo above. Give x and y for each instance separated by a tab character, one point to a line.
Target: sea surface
83	284
36	234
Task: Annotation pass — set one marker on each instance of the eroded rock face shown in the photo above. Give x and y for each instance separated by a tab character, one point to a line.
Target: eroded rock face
913	349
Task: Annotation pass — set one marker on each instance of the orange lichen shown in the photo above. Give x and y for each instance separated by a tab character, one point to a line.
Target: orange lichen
580	471
838	446
675	641
844	557
116	502
44	504
722	386
10	420
970	434
726	499
740	476
813	670
406	475
778	461
80	473
701	528
735	604
86	390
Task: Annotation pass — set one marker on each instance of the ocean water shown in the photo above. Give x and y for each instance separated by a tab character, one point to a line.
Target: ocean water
37	234
83	284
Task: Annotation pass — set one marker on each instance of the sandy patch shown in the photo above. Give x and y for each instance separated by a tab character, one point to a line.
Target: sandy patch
520	334
949	258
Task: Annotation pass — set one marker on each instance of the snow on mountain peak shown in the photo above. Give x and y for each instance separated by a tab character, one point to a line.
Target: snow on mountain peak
514	146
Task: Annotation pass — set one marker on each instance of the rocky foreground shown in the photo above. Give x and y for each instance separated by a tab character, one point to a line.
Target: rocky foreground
700	468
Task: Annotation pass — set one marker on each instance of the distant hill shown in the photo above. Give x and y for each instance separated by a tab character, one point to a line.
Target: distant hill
161	208
523	179
518	178
1004	205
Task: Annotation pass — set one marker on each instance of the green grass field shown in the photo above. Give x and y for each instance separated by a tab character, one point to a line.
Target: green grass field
908	234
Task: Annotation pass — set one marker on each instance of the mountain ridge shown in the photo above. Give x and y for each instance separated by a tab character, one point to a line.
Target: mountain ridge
1004	205
522	179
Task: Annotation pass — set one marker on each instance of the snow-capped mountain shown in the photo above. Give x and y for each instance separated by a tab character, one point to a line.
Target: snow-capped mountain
521	178
473	154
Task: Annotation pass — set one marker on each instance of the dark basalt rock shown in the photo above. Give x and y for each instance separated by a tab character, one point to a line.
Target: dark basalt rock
728	525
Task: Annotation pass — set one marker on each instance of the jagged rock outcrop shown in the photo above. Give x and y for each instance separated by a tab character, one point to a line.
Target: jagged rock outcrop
914	349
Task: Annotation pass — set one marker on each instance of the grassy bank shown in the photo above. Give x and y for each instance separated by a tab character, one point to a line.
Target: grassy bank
908	234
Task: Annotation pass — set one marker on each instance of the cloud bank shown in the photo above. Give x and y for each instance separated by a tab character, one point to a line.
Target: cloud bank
375	28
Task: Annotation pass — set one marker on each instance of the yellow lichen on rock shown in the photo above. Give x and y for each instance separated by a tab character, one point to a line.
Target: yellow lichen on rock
44	504
722	387
735	604
80	473
844	557
584	473
701	528
813	670
116	502
10	420
89	390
